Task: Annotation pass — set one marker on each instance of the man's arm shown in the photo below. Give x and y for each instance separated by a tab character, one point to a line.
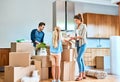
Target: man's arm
42	37
33	36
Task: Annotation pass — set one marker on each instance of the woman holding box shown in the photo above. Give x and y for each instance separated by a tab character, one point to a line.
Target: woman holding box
80	37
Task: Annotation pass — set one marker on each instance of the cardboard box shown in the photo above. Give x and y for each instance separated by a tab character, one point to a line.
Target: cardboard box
45	61
19	59
38	66
22	47
14	74
50	72
102	62
44	74
48	50
68	55
68	71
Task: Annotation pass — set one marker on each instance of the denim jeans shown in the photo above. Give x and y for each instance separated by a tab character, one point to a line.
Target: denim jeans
80	60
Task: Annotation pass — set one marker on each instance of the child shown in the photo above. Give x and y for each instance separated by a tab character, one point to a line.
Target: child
55	50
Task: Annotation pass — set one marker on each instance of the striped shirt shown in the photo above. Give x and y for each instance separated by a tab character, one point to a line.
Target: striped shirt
82	31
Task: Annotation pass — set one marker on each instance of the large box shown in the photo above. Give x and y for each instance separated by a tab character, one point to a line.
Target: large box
22	47
44	74
14	74
68	71
68	55
38	66
45	61
19	59
102	62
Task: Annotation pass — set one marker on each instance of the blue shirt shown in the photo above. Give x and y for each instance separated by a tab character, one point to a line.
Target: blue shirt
57	50
37	36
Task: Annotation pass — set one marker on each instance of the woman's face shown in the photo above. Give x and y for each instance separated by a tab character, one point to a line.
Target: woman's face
77	21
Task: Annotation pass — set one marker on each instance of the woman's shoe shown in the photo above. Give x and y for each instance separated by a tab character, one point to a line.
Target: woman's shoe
84	77
78	78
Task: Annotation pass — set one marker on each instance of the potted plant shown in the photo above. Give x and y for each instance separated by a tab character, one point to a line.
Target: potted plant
41	49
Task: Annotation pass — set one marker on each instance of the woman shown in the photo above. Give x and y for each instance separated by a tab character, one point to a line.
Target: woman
56	50
80	37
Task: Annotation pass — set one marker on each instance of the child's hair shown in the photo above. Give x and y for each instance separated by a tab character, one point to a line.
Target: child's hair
79	16
56	36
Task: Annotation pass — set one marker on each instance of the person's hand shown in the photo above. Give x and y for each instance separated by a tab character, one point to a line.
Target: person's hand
37	42
65	40
72	38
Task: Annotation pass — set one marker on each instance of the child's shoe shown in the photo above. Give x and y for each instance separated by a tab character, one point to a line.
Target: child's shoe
54	81
58	80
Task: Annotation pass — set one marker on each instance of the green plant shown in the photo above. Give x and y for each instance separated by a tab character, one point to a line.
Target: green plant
41	45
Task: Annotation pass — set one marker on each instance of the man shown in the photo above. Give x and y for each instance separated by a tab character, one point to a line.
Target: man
37	35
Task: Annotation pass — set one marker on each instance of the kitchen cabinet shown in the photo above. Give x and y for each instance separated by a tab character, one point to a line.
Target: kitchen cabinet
92	29
101	26
91	53
4	56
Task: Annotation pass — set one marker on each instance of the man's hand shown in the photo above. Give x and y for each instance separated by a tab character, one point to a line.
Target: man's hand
37	42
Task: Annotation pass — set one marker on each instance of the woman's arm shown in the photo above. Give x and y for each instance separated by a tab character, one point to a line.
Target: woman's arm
83	34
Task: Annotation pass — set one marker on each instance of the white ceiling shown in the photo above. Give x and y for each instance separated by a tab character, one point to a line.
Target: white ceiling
101	2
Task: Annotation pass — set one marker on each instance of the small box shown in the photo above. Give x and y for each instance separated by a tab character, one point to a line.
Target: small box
45	61
68	71
102	62
19	59
14	74
22	47
68	55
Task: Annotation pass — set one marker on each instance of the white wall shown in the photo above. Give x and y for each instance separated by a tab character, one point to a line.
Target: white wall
81	7
19	17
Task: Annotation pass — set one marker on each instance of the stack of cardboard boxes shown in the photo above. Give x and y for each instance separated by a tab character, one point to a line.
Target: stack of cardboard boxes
68	63
19	66
45	65
20	62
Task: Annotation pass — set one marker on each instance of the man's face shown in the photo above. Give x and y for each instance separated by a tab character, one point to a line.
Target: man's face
41	27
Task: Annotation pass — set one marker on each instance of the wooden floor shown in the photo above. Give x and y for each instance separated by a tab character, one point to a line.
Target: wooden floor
109	78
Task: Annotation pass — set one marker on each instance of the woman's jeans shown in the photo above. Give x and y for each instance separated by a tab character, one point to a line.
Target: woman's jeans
80	61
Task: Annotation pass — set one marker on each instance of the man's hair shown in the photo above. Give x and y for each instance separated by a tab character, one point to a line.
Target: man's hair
41	23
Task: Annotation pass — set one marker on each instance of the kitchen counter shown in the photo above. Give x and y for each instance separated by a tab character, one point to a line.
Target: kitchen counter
98	47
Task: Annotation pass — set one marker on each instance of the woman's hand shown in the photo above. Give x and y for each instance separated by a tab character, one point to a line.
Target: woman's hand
73	38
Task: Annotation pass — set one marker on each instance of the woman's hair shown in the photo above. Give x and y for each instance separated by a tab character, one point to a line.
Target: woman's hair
56	36
79	17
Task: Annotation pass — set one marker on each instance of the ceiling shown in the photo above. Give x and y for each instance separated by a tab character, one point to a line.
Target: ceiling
101	2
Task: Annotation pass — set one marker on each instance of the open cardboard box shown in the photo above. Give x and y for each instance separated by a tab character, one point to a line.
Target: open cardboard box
14	74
